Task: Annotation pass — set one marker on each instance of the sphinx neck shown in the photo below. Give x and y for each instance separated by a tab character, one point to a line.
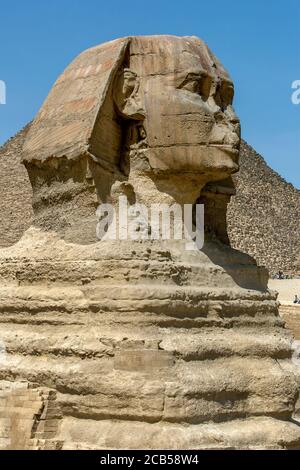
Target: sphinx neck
166	189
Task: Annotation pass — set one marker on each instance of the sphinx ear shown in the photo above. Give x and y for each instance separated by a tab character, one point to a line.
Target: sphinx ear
126	95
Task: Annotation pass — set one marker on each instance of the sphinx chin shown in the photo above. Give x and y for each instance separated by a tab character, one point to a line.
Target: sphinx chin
224	159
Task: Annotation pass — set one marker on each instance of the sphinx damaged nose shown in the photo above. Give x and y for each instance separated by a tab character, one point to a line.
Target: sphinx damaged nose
232	139
226	130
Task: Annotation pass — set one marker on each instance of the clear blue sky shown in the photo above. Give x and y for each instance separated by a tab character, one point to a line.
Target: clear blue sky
257	40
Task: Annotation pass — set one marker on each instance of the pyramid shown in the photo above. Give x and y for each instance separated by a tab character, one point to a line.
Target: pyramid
263	217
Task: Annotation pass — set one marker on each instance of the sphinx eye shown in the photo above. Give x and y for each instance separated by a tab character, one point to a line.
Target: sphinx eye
199	84
191	83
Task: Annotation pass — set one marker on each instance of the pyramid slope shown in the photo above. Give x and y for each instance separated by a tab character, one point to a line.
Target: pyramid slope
15	191
263	218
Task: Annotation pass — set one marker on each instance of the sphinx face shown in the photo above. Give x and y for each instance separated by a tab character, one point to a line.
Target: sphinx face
187	96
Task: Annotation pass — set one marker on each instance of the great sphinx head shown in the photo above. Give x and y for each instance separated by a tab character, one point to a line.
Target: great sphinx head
148	116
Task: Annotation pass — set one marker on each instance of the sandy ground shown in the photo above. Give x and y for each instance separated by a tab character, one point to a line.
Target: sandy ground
287	289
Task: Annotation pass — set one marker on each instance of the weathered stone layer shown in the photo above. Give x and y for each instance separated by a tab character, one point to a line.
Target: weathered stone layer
152	351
